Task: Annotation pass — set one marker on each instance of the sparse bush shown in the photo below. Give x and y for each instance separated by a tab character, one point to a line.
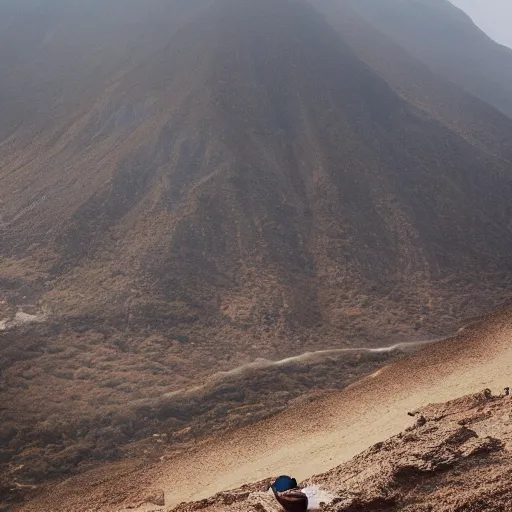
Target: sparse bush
6	455
182	339
84	374
8	431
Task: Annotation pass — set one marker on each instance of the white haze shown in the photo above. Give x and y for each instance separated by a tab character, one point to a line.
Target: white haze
494	17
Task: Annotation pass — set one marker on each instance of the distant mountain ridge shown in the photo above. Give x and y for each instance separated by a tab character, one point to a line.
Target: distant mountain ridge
446	39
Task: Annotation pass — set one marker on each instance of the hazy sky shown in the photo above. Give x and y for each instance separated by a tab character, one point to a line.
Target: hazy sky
493	16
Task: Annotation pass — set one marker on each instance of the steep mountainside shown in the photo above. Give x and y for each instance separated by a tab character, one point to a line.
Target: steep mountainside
57	55
254	173
446	39
318	433
478	122
186	187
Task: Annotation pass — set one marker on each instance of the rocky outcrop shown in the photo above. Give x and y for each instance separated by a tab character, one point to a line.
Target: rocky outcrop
456	456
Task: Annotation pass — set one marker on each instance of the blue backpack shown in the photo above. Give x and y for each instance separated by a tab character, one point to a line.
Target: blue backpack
284	483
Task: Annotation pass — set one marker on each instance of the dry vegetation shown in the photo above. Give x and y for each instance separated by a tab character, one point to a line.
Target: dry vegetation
188	186
70	404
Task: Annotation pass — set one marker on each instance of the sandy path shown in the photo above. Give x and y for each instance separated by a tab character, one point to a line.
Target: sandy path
321	435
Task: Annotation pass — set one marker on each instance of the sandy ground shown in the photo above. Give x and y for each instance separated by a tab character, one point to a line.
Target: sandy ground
311	438
319	436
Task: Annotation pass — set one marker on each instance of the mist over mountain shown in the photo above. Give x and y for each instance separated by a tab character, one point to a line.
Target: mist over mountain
246	152
493	17
447	40
186	186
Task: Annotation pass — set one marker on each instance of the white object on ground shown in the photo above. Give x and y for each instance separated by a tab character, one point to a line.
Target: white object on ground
22	318
316	496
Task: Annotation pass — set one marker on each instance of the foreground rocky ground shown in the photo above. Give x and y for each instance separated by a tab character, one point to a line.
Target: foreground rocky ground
455	457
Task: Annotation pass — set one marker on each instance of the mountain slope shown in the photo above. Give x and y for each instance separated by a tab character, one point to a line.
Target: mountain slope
455	457
446	39
476	121
247	185
235	156
58	55
314	436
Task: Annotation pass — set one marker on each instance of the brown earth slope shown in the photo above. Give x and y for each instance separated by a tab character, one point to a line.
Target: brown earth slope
186	187
312	438
249	178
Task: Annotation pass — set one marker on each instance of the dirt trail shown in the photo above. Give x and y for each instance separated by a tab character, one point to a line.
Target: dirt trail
314	438
262	364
